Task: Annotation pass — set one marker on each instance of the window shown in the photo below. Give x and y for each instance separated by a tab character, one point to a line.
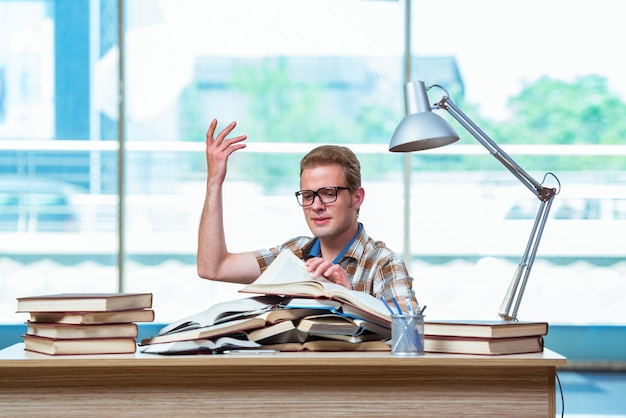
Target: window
302	73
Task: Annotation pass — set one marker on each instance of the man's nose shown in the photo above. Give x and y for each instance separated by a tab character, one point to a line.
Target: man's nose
317	202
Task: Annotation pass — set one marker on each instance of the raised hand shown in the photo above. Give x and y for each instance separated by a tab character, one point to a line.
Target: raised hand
219	148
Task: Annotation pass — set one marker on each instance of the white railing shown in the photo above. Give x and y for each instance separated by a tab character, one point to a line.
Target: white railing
302	148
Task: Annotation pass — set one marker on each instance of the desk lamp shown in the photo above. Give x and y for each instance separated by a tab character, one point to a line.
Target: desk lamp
421	129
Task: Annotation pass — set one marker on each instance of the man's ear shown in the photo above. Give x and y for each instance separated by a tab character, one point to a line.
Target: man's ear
357	198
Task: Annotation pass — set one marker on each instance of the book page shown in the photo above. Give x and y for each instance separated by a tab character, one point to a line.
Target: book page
222	312
199	346
286	268
287	275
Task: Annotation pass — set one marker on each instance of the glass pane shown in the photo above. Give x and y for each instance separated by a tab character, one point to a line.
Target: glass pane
289	84
58	155
548	91
296	76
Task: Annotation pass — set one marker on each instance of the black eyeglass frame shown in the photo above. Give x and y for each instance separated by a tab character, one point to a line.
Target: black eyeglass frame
337	189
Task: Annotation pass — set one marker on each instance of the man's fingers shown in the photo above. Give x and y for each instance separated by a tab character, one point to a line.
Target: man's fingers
221	142
211	131
221	137
330	271
320	267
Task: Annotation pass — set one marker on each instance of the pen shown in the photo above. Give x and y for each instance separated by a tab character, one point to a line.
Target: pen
386	305
409	307
253	352
423	309
395	302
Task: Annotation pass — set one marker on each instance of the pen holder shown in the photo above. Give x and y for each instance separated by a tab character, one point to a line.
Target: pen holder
407	335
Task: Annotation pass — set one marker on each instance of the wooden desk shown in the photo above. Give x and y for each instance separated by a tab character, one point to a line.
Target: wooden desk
282	384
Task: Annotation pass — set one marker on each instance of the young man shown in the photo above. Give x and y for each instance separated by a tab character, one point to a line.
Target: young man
331	195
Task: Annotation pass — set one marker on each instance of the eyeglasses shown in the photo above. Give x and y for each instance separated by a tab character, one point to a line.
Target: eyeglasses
326	194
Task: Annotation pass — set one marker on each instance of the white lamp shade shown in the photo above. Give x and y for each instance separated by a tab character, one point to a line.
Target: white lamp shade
420	129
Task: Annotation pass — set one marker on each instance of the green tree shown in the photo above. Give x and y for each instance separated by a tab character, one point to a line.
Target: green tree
282	108
557	112
583	111
551	111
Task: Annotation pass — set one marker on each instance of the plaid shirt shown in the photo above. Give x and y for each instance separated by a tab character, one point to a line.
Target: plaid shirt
371	266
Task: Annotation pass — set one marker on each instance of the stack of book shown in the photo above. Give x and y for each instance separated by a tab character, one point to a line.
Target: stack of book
484	337
85	323
281	323
291	311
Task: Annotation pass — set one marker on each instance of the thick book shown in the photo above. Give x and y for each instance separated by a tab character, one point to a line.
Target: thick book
485	329
236	326
91	318
71	331
367	336
483	346
223	312
205	346
287	276
281	332
278	308
84	302
336	324
53	346
295	308
330	345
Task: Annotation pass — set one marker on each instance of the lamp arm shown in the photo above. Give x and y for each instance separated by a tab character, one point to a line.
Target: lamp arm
545	194
520	278
527	180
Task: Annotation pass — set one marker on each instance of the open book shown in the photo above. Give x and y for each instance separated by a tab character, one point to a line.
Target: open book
273	308
235	326
336	326
330	345
287	275
223	312
204	346
281	332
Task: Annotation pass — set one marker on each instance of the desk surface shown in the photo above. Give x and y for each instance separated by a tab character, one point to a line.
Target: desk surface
287	384
16	356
